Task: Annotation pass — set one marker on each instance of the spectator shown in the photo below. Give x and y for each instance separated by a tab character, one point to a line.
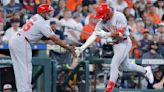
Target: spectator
70	31
1	15
160	29
136	9
160	8
111	3
158	79
1	30
12	7
91	10
152	14
79	11
78	25
145	42
1	3
149	25
58	52
72	4
42	2
131	23
139	27
134	51
54	4
153	52
5	2
128	12
121	5
12	30
2	52
59	10
130	3
56	20
155	38
16	15
53	25
143	3
68	23
88	29
29	5
161	38
88	2
7	88
19	16
85	11
142	8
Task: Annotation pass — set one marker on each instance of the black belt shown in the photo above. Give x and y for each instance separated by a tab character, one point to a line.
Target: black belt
24	37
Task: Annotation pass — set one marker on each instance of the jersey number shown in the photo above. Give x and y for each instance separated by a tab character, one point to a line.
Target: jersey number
27	26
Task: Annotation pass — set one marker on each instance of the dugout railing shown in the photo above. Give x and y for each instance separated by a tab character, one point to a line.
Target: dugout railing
96	61
50	72
46	69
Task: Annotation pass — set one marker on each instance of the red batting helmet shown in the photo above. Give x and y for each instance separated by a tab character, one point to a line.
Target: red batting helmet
44	8
102	10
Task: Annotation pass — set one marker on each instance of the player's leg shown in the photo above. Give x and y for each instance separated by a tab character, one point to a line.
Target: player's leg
21	57
120	51
131	66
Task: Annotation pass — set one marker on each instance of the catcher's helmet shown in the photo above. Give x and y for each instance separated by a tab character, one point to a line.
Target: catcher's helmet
102	10
44	8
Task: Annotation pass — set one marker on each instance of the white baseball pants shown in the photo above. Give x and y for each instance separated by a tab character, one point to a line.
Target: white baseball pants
21	56
121	58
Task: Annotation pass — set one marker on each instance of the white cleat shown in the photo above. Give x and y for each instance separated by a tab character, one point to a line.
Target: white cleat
149	74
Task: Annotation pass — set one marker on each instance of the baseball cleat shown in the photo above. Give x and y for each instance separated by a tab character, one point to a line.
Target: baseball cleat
110	86
149	74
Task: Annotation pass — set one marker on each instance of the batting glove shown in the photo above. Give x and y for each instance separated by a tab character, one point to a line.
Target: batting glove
78	51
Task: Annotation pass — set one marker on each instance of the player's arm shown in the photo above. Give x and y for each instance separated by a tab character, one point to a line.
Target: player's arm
89	41
121	25
48	33
56	40
105	33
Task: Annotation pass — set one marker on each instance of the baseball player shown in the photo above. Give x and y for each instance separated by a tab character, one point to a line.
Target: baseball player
114	24
20	46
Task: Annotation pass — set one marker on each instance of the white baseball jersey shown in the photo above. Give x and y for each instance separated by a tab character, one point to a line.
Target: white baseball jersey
35	28
122	47
118	21
20	49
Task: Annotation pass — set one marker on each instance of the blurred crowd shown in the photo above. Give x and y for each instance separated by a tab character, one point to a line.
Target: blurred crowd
73	21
